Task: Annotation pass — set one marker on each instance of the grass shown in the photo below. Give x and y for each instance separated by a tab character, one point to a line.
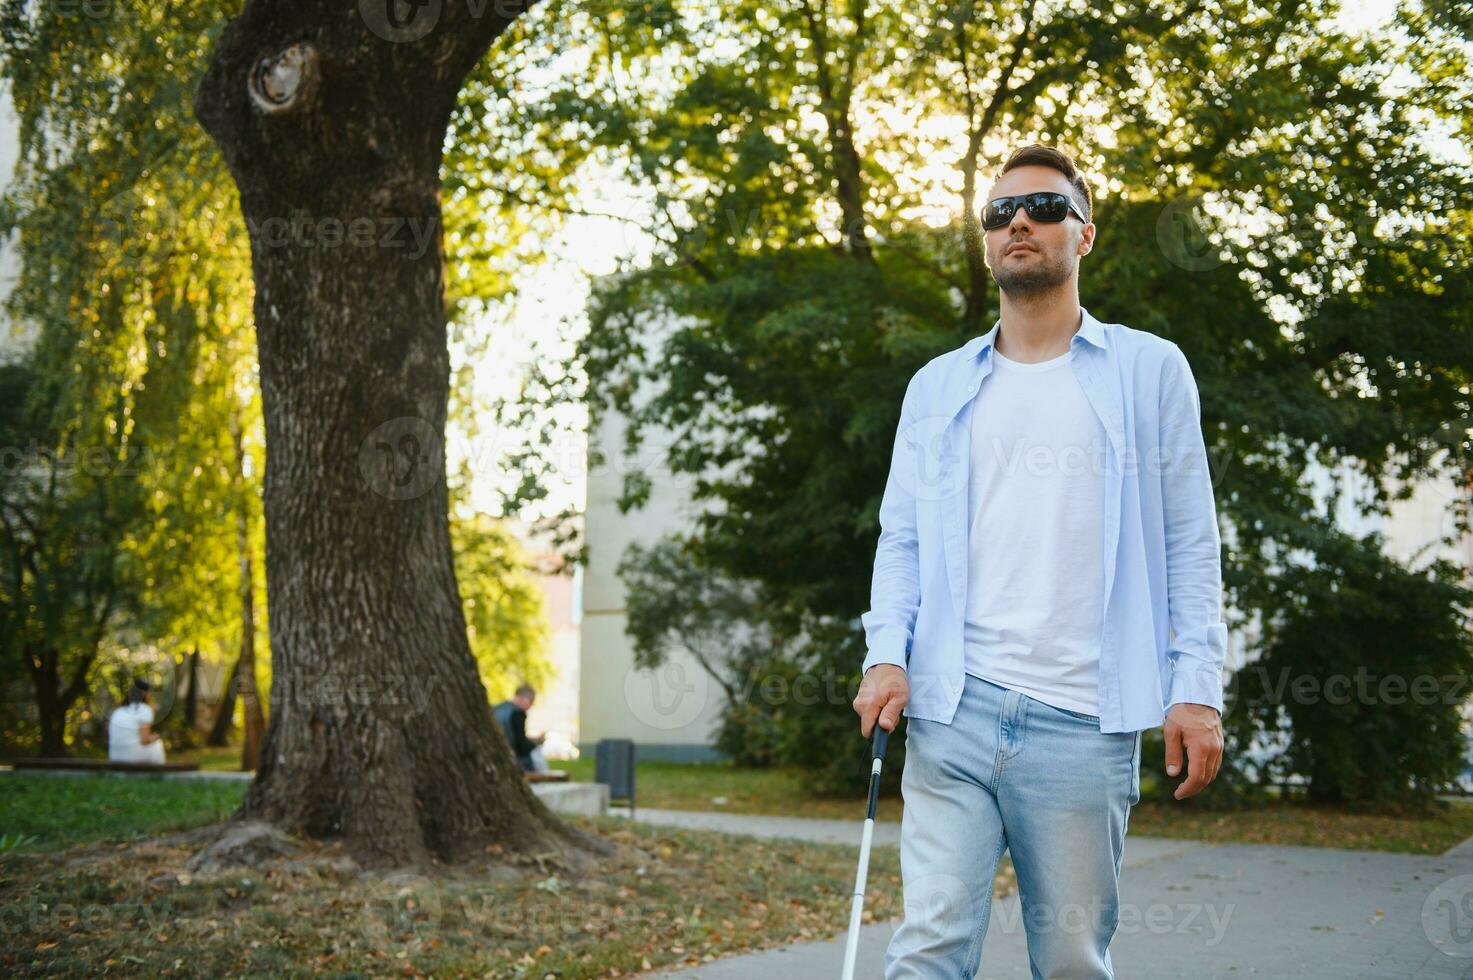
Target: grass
1306	825
51	812
781	792
715	786
86	886
132	909
210	759
65	810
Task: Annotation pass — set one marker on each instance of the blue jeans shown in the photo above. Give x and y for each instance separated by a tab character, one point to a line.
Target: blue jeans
1013	773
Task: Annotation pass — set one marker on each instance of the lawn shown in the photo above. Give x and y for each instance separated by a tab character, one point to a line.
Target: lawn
44	812
74	809
719	787
92	889
210	759
1306	825
781	792
111	907
700	896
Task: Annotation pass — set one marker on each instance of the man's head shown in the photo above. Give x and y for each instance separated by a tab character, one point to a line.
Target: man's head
1049	252
524	697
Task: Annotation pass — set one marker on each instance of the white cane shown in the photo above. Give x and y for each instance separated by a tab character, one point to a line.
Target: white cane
851	946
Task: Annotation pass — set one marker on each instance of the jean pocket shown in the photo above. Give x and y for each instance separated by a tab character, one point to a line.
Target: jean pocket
1092	719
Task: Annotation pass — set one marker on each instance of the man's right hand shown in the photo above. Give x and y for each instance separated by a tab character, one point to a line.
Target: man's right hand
883	691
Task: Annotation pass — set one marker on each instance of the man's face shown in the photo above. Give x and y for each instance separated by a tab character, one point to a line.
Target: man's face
1048	254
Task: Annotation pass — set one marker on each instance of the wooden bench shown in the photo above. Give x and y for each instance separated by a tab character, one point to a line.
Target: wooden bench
555	776
102	765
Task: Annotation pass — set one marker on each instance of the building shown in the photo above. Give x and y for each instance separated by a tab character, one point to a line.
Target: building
673	712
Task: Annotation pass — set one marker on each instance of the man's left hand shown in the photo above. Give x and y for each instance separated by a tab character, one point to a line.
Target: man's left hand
1198	729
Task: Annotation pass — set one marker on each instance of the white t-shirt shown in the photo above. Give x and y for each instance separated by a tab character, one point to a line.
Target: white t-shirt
1036	580
123	728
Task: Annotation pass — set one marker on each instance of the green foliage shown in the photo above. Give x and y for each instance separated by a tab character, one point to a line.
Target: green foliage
1369	671
135	289
505	615
1275	206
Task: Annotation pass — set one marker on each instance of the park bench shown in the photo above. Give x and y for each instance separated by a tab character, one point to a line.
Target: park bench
555	776
103	765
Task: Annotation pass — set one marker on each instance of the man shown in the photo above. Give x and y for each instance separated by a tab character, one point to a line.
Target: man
1048	516
513	717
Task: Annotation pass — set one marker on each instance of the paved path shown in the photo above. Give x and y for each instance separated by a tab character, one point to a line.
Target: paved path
1190	909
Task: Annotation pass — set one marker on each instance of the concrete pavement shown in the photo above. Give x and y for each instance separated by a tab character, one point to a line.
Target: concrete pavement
1189	909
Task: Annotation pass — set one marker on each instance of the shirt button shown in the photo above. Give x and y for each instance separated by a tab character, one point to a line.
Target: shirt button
971	388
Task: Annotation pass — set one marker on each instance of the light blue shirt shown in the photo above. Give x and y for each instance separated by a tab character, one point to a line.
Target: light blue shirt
1164	640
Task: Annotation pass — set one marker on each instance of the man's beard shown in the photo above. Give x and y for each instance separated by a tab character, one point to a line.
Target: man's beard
1034	278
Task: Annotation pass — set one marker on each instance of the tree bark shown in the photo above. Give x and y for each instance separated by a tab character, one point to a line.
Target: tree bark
380	733
191	700
53	699
225	713
50	711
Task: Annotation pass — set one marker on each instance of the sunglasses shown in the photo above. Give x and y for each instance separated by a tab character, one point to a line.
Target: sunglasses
1046	206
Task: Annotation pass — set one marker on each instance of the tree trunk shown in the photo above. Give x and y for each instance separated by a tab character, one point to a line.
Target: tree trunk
50	712
255	722
191	700
53	699
225	713
380	732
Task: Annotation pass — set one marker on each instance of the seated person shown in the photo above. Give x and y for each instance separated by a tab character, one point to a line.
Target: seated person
130	734
513	717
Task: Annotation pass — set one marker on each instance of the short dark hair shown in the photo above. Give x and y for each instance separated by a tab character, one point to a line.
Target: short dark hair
526	690
138	693
1038	155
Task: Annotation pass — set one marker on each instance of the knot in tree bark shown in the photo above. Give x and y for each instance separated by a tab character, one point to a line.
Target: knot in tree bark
285	81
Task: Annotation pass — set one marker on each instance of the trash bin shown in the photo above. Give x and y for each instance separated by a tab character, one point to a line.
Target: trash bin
613	764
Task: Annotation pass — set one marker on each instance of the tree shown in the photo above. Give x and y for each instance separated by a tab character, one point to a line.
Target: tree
1270	205
352	341
131	283
66	502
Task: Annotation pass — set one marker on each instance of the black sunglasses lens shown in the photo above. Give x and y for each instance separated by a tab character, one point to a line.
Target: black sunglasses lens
999	212
1047	207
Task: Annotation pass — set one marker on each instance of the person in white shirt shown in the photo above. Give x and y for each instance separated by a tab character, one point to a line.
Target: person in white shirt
1047	587
130	734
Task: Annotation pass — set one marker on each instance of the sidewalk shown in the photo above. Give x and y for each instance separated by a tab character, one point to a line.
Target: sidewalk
1189	909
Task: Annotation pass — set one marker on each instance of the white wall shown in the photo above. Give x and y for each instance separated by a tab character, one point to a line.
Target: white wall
13	339
671	712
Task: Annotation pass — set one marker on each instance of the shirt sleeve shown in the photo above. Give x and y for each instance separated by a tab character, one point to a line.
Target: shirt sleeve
895	588
1198	646
520	743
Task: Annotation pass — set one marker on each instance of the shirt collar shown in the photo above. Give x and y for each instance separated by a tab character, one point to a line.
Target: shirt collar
1090	330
